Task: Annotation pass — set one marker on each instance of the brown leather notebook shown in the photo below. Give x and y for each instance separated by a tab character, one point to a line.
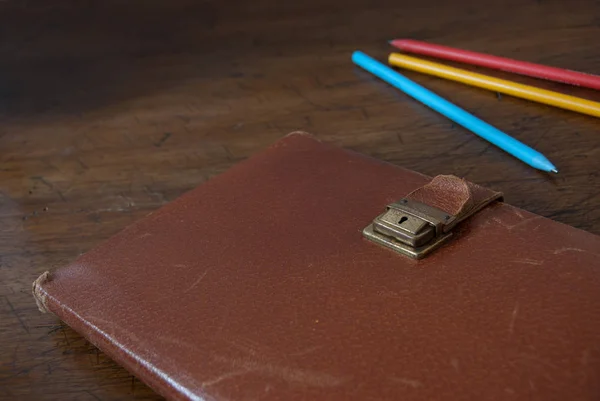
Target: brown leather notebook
293	276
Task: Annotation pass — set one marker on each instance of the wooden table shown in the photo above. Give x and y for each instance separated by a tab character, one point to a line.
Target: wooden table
111	109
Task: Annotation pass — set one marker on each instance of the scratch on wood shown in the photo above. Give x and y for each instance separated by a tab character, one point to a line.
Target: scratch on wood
488	147
126	135
14	312
49	185
162	140
94	396
82	164
299	93
66	338
159	195
230	157
400	138
364	113
51	330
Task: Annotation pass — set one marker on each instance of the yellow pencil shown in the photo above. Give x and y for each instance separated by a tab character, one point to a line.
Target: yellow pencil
497	85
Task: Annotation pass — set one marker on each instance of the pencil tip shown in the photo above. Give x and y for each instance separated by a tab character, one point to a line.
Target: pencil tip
555	171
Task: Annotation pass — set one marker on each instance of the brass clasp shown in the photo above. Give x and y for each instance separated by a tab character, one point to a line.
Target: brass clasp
410	228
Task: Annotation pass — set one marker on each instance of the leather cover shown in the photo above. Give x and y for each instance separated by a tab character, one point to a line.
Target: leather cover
259	285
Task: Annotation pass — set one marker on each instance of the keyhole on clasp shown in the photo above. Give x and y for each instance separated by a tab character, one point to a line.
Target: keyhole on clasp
403	219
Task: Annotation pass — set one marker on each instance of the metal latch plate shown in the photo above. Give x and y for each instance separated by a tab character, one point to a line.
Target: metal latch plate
410	228
415	253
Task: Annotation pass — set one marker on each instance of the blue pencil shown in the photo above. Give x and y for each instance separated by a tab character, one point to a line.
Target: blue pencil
503	141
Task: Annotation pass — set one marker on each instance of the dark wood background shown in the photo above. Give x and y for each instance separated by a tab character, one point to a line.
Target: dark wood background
110	109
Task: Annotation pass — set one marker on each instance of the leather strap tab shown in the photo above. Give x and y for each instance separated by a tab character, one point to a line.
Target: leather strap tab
455	196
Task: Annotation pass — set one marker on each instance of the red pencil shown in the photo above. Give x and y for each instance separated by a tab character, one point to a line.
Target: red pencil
498	63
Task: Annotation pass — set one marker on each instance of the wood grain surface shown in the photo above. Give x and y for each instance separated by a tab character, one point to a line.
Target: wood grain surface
111	109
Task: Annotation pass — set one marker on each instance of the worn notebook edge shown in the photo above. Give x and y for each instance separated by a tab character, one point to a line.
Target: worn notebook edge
39	294
157	379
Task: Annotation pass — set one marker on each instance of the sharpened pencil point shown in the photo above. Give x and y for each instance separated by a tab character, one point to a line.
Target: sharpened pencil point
555	171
